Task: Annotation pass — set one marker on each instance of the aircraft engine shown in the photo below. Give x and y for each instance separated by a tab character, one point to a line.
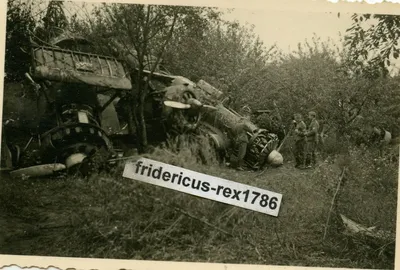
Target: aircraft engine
180	120
261	143
68	84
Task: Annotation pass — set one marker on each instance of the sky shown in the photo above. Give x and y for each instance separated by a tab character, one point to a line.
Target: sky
288	28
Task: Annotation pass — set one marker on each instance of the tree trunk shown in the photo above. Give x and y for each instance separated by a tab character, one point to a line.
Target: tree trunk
139	114
139	136
142	124
142	120
131	120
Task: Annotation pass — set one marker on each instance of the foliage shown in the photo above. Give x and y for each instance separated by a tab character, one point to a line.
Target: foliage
226	55
55	21
196	43
312	76
231	57
373	43
138	31
375	178
140	34
19	23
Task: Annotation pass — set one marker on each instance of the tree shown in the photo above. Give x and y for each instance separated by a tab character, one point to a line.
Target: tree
18	27
310	78
225	54
140	34
54	22
372	41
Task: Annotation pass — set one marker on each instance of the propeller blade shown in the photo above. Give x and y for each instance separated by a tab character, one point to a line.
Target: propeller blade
176	105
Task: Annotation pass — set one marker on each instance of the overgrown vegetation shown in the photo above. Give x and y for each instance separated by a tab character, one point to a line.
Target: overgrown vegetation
108	216
111	217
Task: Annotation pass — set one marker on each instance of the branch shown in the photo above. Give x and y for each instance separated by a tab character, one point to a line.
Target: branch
151	36
41	40
146	29
333	201
371	236
164	45
360	107
156	19
88	17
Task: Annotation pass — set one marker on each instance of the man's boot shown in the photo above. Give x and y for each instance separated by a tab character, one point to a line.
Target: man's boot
240	165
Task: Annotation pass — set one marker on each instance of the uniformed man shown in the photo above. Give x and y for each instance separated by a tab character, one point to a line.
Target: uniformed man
241	142
300	143
311	140
241	139
381	138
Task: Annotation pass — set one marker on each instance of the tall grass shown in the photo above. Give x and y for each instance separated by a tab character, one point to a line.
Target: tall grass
112	217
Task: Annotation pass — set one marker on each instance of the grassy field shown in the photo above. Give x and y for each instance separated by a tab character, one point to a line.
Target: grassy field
108	216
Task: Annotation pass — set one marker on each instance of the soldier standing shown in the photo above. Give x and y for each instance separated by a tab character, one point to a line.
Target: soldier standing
241	142
311	140
241	138
381	138
300	143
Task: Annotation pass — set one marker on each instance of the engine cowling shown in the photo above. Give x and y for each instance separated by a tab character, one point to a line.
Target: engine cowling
70	128
261	143
180	120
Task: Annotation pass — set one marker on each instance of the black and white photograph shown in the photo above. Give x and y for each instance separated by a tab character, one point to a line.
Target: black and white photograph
199	133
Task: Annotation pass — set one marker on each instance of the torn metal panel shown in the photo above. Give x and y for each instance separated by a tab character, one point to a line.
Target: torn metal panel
209	89
109	118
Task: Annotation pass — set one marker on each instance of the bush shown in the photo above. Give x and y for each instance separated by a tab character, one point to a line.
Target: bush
370	192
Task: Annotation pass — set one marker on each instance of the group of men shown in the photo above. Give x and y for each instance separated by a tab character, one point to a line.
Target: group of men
306	140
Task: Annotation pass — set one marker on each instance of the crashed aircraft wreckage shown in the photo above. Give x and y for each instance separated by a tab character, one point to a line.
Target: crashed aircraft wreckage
83	105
